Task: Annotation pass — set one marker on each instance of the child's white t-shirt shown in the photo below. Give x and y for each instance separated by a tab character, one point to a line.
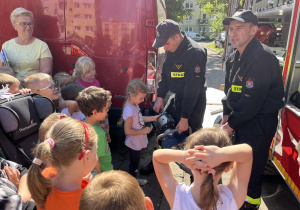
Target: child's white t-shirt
75	115
184	200
136	142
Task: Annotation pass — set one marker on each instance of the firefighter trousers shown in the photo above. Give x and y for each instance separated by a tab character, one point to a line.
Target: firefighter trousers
258	133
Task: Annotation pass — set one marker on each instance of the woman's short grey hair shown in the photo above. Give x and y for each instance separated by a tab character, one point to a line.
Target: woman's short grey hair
20	11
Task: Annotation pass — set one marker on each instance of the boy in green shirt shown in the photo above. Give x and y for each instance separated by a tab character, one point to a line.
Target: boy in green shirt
94	103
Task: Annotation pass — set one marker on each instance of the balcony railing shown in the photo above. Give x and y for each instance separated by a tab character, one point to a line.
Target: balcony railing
202	21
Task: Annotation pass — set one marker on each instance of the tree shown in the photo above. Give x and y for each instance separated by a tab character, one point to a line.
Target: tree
219	9
176	10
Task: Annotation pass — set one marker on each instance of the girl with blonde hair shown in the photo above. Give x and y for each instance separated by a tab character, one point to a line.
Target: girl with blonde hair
70	148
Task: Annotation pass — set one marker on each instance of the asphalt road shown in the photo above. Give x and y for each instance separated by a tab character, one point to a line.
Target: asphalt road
276	194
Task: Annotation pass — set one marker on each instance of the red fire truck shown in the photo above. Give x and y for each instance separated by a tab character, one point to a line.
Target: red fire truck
281	18
117	34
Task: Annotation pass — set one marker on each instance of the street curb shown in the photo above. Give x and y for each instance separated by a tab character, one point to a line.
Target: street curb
219	53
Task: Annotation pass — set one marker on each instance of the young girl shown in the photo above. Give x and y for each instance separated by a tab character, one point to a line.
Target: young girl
207	164
134	127
71	149
85	72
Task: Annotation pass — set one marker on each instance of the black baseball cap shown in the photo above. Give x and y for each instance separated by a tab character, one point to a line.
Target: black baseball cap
242	15
164	30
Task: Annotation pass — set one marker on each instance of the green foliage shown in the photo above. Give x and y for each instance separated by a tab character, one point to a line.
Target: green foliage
176	10
219	9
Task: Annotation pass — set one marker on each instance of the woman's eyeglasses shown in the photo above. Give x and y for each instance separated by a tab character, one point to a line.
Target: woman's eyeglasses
24	24
52	87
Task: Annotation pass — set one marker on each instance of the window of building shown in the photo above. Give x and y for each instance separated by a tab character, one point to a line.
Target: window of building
87	5
202	29
212	17
77	17
189	18
189	5
188	29
204	16
89	28
88	16
76	5
77	28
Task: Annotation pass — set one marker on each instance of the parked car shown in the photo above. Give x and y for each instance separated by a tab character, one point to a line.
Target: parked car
220	40
212	37
195	36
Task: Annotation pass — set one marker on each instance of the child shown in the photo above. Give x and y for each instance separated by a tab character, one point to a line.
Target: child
134	127
48	122
69	93
62	78
11	84
205	193
70	147
85	72
42	84
94	103
114	190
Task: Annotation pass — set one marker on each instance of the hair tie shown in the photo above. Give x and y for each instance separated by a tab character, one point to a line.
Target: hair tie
51	142
211	171
139	89
86	141
37	161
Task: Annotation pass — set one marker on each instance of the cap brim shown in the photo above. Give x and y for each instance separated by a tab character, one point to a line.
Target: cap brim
227	21
159	42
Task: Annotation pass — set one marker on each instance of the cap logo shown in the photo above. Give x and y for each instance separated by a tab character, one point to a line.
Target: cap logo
237	13
157	33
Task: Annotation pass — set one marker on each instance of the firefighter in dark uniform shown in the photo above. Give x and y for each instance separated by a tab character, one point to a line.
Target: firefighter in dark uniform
183	74
254	95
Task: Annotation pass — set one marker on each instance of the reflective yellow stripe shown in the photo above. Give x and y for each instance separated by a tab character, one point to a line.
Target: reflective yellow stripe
254	201
236	89
177	74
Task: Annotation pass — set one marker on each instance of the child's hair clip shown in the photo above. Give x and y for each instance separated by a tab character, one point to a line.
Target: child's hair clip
139	89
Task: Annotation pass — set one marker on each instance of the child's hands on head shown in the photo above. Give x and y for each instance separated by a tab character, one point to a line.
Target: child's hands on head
205	157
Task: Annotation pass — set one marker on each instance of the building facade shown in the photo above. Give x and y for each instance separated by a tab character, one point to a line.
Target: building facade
200	22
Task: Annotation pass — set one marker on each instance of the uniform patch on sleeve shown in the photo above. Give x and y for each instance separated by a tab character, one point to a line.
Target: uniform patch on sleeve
249	83
197	70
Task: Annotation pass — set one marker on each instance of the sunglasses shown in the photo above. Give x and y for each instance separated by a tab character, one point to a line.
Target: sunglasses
24	24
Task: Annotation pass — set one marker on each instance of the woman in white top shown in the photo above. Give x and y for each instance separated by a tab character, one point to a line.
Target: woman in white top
27	55
207	164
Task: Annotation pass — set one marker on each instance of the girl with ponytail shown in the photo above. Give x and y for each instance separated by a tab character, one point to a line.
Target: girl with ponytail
70	148
208	153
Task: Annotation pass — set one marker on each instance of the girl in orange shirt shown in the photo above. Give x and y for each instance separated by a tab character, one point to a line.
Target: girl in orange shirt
73	155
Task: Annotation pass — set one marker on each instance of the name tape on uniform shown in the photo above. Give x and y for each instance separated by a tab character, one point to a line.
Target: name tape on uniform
236	88
177	74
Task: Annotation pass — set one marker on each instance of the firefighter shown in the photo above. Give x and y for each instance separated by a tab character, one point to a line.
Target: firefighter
183	73
254	94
